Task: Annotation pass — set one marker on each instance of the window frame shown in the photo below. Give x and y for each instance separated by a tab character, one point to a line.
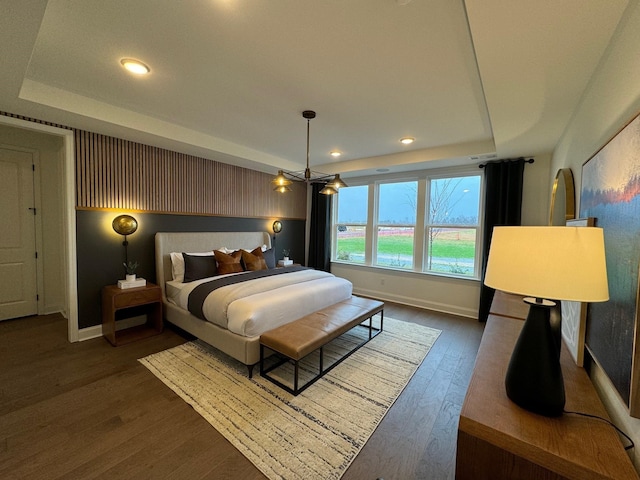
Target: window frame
377	224
335	225
420	247
477	227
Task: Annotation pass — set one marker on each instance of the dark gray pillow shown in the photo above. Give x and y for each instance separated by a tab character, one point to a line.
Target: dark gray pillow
197	267
269	257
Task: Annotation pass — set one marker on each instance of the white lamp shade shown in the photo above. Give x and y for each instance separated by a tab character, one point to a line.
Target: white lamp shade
560	263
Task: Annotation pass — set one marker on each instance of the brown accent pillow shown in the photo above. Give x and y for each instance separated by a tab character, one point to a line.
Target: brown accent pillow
228	263
254	260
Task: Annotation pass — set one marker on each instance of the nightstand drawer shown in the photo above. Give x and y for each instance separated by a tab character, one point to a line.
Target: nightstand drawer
136	297
115	299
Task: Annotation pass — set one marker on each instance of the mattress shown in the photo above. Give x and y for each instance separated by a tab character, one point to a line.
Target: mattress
255	306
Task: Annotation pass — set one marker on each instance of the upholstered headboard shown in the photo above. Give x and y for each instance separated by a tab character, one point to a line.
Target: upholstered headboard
167	242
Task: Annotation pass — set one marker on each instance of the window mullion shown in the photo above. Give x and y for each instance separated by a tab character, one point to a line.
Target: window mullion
419	232
370	243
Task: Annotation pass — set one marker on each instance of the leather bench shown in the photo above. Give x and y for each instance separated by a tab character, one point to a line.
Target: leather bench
294	341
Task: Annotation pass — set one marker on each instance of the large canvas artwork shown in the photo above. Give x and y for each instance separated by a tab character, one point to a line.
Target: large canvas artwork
611	193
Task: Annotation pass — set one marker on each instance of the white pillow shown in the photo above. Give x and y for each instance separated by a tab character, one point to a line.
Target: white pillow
177	263
263	248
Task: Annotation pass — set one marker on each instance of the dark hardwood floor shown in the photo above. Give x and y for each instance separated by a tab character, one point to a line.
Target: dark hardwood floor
89	410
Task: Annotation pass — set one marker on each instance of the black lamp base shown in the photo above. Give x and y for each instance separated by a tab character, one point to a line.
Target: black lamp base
534	377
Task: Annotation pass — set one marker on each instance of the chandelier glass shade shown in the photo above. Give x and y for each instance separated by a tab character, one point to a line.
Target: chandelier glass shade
282	181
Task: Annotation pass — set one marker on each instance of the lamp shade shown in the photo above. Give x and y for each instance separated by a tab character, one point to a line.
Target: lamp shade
125	224
280	180
328	189
337	182
277	226
561	263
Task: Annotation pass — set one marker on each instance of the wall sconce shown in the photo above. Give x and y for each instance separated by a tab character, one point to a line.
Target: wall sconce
125	225
277	228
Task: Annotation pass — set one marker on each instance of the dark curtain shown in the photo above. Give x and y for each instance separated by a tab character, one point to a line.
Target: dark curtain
320	229
503	206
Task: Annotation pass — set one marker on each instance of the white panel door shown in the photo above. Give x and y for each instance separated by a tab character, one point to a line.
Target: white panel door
18	291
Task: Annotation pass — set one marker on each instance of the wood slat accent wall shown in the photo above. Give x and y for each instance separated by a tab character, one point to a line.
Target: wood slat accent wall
120	174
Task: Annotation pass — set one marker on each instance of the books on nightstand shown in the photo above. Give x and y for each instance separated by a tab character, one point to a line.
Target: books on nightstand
138	282
285	263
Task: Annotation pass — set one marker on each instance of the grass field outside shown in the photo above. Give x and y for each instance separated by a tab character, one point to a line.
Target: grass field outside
452	250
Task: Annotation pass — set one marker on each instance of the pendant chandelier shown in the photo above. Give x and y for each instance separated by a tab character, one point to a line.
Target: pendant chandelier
282	181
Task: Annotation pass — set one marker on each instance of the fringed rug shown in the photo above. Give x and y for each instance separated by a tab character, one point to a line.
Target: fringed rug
315	435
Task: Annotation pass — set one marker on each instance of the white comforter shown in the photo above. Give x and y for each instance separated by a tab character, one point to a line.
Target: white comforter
253	307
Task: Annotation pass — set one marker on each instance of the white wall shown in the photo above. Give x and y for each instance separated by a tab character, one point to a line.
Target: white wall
443	294
610	102
536	197
446	294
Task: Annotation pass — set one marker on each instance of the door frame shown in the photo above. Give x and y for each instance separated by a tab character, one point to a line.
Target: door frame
68	216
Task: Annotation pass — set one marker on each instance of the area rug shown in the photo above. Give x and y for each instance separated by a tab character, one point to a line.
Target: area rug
315	435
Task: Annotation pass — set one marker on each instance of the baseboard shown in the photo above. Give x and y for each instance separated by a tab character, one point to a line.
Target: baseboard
96	330
50	309
89	333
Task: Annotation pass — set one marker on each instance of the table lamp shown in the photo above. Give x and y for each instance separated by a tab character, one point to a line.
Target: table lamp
544	263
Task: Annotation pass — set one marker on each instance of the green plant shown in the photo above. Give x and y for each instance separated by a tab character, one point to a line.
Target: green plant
285	252
130	267
342	255
455	268
398	262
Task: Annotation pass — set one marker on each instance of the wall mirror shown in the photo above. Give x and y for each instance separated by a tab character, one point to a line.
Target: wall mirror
563	198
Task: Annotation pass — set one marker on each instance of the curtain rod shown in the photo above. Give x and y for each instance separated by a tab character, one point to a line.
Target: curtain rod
530	160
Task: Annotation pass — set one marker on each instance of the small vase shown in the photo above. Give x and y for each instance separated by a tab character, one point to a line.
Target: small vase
286	259
130	278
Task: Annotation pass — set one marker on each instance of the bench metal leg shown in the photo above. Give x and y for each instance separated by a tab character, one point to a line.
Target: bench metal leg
296	363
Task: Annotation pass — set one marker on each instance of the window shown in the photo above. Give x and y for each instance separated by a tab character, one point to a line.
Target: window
430	224
452	225
351	228
396	224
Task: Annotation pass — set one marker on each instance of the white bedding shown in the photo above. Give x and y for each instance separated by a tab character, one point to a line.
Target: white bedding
253	307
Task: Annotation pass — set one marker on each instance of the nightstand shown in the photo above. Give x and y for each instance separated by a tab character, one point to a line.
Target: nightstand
115	299
279	265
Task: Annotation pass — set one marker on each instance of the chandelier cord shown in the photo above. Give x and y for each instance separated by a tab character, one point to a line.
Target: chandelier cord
284	179
307	172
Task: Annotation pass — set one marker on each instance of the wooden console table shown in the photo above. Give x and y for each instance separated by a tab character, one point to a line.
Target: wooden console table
499	440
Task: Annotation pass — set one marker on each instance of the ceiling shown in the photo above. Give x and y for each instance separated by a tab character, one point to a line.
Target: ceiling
469	80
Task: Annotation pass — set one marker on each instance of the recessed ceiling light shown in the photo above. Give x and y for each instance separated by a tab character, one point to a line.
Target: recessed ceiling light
407	140
135	66
335	153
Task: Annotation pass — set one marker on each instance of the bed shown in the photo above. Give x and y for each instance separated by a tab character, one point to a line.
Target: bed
235	315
